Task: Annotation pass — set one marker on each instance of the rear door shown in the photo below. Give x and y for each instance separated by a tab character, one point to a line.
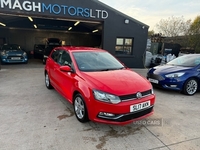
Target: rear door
53	66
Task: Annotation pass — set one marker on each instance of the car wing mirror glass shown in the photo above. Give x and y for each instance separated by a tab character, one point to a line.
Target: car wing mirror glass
65	68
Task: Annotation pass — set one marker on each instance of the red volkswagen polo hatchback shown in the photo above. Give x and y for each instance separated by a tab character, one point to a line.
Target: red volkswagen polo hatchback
100	88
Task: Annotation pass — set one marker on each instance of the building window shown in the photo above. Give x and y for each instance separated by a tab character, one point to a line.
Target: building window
124	46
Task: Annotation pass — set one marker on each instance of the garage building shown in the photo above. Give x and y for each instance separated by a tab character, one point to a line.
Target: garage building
76	23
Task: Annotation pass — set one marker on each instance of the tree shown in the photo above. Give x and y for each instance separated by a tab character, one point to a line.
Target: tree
173	26
194	34
150	33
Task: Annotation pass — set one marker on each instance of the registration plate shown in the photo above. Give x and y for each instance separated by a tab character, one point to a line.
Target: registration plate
153	81
139	106
15	58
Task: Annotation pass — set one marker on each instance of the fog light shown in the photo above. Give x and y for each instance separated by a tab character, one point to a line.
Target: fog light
173	86
106	114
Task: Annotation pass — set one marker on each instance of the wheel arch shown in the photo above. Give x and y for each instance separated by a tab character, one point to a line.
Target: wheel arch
87	115
45	71
74	94
193	77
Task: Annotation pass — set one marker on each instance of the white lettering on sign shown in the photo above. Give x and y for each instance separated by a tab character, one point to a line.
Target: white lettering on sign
53	8
6	3
37	7
16	5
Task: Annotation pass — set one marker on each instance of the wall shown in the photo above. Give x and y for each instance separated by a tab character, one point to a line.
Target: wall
27	38
117	28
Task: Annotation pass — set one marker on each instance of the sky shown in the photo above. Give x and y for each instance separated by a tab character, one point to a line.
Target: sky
150	12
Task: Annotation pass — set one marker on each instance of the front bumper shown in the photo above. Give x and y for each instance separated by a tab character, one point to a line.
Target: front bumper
171	85
167	83
120	113
14	59
127	116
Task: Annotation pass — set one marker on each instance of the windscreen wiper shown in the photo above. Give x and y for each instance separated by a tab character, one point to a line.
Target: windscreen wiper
108	69
105	69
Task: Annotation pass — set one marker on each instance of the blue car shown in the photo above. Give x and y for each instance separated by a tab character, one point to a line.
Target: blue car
12	53
181	74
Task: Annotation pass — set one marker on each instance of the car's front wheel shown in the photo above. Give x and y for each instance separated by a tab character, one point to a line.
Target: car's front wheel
47	81
190	86
80	109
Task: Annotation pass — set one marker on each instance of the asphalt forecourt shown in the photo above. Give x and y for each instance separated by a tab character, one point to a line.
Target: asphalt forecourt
33	117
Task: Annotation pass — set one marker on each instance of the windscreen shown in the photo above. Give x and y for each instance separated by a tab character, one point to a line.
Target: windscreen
11	47
96	61
186	61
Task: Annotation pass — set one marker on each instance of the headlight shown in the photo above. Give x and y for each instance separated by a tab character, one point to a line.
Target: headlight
24	54
3	53
105	97
174	75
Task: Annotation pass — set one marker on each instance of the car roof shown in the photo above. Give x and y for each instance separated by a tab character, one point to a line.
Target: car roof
79	48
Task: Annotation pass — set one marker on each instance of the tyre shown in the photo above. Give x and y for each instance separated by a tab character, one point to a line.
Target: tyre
80	109
47	81
190	86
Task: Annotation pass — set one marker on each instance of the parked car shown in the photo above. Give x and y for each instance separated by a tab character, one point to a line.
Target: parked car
51	43
181	73
12	53
100	88
38	51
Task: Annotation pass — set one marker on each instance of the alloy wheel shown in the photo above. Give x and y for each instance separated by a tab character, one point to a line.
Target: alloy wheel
191	87
47	80
79	108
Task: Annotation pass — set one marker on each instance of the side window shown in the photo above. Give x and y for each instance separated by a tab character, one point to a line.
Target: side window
65	59
55	55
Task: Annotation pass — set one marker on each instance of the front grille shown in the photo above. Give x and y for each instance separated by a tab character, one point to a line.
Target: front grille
15	57
155	76
135	115
133	96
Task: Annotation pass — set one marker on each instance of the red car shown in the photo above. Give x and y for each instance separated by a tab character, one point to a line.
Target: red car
100	87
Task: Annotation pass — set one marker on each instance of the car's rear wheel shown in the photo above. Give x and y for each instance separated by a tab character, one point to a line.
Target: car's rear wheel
190	86
47	81
80	109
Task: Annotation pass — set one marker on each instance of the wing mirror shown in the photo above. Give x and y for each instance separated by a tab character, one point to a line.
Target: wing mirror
66	69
